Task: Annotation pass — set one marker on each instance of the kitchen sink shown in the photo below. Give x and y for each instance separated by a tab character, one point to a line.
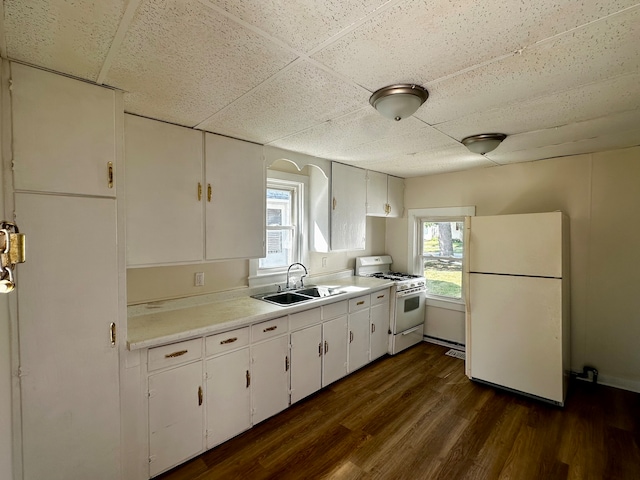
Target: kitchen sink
298	296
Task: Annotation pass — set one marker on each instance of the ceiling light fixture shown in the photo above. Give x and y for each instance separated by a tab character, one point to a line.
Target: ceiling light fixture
483	143
399	101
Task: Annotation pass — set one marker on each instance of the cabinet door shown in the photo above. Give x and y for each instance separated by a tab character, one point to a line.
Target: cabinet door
67	299
379	330
228	396
63	133
236	211
376	194
306	362
175	416
395	196
358	339
348	214
269	378
164	213
334	360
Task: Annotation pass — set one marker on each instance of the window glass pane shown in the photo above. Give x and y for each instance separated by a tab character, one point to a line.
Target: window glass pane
279	207
442	258
279	249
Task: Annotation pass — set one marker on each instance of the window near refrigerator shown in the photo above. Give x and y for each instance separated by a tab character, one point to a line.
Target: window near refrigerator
282	225
441	256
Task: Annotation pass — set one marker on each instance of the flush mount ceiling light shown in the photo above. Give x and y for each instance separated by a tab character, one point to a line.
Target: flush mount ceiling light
483	143
399	101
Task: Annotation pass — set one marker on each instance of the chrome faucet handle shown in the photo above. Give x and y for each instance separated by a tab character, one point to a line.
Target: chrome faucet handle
302	281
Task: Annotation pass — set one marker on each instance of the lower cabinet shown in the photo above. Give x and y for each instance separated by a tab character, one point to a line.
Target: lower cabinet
228	396
334	345
269	377
306	362
176	416
379	316
358	339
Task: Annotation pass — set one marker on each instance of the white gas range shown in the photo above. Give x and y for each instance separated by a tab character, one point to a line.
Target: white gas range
407	301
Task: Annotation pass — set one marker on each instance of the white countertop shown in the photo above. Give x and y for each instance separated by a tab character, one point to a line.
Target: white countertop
154	324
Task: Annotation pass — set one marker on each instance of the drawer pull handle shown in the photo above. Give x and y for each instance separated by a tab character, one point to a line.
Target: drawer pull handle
286	363
270	329
248	378
380	296
199	396
361	302
350	337
228	340
176	354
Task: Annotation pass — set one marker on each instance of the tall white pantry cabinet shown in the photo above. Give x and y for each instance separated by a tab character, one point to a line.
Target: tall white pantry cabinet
66	146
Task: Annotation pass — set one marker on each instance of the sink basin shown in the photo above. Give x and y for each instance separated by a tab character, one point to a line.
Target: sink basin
320	292
307	294
285	298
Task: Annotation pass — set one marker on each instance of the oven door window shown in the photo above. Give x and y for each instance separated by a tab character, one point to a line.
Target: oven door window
411	304
409	312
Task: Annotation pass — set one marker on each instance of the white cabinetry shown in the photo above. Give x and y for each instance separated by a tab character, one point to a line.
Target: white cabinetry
175	416
270	377
358	332
236	198
385	195
64	136
164	176
228	396
63	133
306	362
380	315
348	213
334	344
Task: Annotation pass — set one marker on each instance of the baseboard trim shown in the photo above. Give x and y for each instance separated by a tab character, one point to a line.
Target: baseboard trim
444	343
621	383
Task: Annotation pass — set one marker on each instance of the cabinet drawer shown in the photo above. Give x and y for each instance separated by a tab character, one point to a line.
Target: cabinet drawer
271	328
359	303
380	297
174	354
334	310
304	319
223	342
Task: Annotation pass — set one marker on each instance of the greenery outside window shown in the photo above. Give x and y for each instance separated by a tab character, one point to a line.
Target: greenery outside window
441	256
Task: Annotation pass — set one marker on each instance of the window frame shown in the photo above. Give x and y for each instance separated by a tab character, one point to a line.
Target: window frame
299	185
415	247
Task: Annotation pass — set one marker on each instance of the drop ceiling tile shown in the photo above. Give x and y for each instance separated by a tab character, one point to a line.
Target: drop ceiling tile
65	36
430	162
361	127
298	98
602	50
301	24
410	143
181	61
423	40
582	103
615	131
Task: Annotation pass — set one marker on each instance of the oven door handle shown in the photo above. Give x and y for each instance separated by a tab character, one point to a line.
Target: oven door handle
407	332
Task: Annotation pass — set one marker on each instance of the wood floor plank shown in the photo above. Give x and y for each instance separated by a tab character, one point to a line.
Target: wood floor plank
417	416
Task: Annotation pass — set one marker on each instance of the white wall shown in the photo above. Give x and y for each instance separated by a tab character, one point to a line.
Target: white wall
600	193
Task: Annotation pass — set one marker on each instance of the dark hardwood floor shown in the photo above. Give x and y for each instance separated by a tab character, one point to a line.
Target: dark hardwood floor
417	416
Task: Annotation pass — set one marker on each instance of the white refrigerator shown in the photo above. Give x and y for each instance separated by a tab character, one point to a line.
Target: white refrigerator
517	298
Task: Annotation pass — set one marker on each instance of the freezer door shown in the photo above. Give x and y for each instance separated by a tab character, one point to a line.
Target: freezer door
516	333
529	244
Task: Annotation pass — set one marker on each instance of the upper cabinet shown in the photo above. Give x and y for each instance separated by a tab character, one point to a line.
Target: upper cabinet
163	192
385	195
177	213
63	134
236	198
348	211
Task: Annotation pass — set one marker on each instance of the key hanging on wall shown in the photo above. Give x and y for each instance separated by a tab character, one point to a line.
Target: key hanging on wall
12	247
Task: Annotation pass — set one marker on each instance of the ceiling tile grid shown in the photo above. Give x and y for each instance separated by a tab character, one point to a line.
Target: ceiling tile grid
181	61
68	36
294	100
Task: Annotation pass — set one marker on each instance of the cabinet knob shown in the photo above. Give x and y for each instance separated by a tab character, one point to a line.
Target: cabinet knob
200	396
179	353
326	346
209	192
110	174
350	337
228	340
373	328
334	203
112	334
248	376
320	349
199	191
286	363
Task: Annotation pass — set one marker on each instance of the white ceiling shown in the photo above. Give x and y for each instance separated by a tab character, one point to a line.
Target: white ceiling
560	77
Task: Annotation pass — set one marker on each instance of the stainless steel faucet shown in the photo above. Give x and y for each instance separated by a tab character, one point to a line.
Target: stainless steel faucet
301	278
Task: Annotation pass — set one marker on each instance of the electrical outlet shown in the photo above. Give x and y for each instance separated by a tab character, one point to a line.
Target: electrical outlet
324	261
199	279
